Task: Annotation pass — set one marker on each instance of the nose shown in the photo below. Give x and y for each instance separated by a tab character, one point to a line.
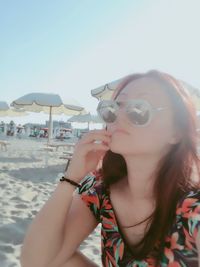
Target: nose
120	115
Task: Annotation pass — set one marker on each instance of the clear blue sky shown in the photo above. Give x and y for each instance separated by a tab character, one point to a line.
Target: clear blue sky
70	47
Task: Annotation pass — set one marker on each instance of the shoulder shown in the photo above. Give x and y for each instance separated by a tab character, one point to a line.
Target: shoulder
188	213
189	202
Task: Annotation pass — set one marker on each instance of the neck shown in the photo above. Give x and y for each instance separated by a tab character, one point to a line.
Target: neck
141	176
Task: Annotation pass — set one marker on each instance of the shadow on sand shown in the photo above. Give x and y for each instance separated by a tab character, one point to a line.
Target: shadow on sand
37	175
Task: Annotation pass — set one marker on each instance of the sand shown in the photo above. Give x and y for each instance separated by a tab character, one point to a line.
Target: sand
28	176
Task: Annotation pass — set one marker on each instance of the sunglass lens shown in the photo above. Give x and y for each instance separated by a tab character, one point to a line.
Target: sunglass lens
107	111
108	116
138	114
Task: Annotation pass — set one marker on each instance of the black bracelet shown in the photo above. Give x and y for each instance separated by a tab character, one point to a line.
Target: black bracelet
70	181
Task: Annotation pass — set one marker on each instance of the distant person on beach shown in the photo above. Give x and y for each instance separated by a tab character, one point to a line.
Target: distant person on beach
2	127
145	194
11	128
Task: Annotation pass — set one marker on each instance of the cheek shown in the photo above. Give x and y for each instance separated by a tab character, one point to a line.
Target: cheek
152	138
163	129
137	142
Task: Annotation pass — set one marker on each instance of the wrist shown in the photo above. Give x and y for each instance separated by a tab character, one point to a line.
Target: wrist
72	177
64	179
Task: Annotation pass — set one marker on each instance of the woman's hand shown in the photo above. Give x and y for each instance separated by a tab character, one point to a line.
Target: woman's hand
87	153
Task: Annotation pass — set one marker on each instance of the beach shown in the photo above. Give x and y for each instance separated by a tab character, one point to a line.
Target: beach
28	176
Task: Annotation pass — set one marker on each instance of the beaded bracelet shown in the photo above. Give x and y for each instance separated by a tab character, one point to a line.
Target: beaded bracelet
70	181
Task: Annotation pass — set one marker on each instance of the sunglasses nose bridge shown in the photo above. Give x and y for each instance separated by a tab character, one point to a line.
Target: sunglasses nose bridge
120	114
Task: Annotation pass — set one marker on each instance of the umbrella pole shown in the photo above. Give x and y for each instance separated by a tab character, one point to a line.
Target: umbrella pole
50	125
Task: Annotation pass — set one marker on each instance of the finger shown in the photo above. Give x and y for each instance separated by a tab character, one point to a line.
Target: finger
100	153
95	137
95	147
93	132
103	131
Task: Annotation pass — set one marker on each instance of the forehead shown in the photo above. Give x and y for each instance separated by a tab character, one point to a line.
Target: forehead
145	87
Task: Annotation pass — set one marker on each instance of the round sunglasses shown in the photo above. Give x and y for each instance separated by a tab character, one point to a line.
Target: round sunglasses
138	111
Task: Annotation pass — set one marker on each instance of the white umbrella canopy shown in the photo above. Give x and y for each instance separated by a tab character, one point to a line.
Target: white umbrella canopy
106	91
85	118
88	118
48	103
3	106
6	111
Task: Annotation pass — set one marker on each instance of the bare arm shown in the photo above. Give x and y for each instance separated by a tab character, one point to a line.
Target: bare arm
45	234
62	224
79	260
79	224
47	244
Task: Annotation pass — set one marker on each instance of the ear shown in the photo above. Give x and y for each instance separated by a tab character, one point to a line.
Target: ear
175	139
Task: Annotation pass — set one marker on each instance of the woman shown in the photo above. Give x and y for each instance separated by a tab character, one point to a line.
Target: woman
145	193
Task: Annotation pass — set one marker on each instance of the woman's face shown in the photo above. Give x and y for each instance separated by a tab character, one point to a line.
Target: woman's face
153	139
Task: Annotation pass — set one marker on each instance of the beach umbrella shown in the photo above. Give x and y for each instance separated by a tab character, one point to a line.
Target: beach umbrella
85	118
6	111
106	91
48	103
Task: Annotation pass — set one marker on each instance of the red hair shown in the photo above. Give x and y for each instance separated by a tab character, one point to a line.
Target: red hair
175	172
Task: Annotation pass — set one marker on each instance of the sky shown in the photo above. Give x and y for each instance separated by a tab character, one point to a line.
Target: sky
71	47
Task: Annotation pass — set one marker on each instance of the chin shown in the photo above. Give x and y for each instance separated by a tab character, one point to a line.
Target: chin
126	149
117	148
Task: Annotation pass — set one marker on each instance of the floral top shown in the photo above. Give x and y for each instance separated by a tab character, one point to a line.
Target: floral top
180	248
